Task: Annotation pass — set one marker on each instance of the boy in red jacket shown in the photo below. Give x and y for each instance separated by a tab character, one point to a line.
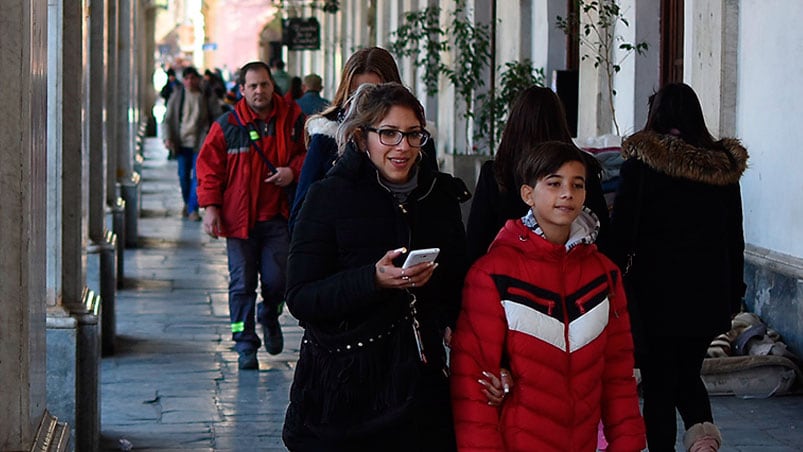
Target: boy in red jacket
552	307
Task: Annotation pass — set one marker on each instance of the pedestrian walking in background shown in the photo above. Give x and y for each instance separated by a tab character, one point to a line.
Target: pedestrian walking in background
213	84
536	116
372	372
250	156
171	85
295	91
280	77
369	65
311	101
545	301
190	112
677	223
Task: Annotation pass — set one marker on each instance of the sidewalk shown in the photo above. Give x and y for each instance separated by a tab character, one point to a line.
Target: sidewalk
173	383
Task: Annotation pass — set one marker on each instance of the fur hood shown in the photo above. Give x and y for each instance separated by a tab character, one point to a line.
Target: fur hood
321	125
674	157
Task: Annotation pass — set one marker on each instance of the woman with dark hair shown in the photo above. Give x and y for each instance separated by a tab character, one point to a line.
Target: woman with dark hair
677	230
295	91
537	116
372	370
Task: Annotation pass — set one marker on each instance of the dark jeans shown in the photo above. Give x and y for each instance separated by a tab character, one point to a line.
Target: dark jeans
263	254
671	380
186	177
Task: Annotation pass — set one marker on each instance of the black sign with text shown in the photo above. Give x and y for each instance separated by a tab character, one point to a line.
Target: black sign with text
301	34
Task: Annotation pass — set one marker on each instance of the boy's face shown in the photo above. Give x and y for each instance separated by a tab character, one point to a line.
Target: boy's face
557	199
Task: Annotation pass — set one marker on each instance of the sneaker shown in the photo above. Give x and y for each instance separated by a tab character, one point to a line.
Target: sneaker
248	360
272	333
194	216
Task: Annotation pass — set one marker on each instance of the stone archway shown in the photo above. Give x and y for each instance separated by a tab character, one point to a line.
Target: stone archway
270	39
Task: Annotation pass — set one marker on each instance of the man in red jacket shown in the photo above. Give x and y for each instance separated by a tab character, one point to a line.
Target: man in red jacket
248	159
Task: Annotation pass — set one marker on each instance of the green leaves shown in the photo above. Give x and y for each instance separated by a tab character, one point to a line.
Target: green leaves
515	78
419	31
598	38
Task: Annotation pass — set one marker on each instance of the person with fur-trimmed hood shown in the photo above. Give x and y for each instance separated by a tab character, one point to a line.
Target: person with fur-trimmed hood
677	219
369	65
545	301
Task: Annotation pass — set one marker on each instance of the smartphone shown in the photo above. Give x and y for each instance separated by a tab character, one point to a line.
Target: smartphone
418	256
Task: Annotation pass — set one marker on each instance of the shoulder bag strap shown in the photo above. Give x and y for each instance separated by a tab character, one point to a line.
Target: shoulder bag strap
253	136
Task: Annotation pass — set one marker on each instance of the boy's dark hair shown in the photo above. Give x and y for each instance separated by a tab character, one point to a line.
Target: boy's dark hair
546	158
253	66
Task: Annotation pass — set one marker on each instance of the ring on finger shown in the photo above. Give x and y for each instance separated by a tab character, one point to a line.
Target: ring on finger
412	283
405	277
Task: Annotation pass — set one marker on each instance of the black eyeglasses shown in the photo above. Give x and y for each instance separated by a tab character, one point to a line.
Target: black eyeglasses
392	137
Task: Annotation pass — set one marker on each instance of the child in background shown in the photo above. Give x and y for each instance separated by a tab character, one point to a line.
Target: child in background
549	303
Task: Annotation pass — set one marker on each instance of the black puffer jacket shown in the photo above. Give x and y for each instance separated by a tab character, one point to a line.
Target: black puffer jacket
687	277
371	387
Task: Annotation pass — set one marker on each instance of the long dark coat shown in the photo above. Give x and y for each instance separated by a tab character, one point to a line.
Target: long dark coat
358	355
687	276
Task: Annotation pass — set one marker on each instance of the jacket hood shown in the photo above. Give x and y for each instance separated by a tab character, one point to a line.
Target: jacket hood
514	234
674	157
321	125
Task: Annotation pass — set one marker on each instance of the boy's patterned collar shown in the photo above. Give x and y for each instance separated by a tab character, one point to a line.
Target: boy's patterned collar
584	229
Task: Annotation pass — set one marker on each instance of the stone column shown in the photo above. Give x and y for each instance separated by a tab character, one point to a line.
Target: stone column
710	60
149	92
114	202
113	102
23	45
101	251
126	120
593	115
73	354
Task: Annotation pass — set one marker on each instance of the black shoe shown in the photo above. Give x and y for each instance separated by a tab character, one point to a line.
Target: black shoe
248	360
272	333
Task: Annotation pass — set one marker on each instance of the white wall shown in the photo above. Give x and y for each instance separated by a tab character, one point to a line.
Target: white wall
769	122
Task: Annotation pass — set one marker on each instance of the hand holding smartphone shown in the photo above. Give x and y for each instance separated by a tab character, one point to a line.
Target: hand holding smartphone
419	256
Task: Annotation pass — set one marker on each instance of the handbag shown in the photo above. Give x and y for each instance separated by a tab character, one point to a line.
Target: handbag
253	137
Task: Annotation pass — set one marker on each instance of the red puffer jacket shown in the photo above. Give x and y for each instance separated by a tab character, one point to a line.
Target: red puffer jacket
231	173
559	320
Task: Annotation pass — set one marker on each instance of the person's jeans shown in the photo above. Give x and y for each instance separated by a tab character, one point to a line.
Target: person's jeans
186	177
263	254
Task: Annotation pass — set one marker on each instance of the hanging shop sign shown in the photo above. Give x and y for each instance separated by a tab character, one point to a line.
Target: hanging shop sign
301	34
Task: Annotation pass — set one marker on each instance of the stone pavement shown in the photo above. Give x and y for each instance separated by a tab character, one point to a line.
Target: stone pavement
173	383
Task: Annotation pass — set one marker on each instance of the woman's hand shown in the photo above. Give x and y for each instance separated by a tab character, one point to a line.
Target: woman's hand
388	276
495	389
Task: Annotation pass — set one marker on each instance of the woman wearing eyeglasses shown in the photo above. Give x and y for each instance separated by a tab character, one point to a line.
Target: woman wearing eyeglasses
368	65
372	372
